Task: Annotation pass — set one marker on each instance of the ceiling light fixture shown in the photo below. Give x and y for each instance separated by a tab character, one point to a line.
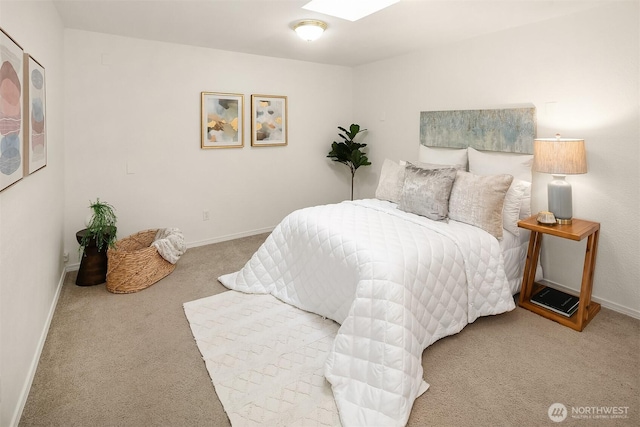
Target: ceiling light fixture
310	29
351	10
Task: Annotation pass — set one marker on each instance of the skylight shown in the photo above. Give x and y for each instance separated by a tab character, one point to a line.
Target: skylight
351	10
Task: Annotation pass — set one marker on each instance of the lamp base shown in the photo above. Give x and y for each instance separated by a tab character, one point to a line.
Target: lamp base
559	193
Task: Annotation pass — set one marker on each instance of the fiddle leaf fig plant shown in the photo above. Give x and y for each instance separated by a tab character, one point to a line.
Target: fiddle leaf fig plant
349	152
101	227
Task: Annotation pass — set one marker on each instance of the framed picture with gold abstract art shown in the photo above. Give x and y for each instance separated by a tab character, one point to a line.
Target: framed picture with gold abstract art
268	120
222	120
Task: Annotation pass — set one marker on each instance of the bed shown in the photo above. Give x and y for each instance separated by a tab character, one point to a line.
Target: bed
436	248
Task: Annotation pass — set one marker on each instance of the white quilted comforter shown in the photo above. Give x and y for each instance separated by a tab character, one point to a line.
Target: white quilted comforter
396	283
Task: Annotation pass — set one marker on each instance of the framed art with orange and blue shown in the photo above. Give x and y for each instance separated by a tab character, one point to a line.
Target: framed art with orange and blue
222	120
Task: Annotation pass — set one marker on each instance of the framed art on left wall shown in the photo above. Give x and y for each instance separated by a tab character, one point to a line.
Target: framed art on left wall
35	136
11	99
222	120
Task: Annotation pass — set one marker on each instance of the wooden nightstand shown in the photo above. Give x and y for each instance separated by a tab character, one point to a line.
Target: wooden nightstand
577	231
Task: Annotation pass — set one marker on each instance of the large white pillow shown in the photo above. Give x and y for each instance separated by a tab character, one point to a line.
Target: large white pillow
391	181
513	209
456	157
525	204
516	165
492	163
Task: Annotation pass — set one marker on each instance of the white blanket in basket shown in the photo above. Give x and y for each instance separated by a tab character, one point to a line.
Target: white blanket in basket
170	244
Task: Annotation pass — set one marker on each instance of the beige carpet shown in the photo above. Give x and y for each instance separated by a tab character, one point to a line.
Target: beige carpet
131	360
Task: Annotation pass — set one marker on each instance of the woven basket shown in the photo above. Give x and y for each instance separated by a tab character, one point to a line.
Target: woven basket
134	264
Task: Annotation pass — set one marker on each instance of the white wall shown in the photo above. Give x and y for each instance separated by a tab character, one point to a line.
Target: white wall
581	72
31	218
137	103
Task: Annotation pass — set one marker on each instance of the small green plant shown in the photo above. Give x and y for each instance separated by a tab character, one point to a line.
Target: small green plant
101	227
348	152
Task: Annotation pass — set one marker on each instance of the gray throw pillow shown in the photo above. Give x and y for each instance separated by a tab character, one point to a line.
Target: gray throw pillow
426	191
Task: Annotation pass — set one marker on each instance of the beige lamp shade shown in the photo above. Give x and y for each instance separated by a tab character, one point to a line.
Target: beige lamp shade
559	156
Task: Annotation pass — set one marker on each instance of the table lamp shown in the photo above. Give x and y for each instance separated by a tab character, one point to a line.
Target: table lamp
560	157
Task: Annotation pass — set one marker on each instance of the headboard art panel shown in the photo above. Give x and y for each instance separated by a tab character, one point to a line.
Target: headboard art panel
510	130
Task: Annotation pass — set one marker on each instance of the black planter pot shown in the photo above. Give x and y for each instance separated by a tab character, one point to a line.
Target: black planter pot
93	265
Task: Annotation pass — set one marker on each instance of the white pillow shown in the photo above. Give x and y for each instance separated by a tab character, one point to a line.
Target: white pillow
525	204
513	202
443	156
517	165
391	181
492	163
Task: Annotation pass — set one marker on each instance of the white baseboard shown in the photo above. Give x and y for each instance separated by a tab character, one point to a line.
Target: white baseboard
603	302
72	267
229	237
36	357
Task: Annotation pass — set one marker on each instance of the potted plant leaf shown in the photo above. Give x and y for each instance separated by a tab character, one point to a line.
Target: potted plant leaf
94	241
349	152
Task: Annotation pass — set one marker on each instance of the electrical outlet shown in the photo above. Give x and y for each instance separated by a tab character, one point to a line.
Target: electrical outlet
65	256
205	215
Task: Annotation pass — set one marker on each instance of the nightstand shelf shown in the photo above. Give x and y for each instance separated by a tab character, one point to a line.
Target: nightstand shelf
577	231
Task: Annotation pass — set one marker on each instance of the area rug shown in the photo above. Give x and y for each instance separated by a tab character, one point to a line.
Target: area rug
265	359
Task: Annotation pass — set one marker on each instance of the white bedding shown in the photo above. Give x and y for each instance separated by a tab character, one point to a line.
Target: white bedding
514	251
396	283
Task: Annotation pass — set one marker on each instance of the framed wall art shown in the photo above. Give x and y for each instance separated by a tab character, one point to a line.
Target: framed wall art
268	120
35	132
505	130
11	104
222	120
